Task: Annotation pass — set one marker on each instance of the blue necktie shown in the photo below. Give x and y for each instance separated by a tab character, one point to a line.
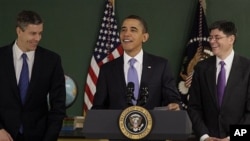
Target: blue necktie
24	79
133	77
221	82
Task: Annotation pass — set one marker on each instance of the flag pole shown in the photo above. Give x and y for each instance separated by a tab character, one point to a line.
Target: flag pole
197	49
113	3
204	5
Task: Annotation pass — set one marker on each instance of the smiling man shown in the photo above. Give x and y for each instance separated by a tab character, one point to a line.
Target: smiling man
28	74
220	90
151	73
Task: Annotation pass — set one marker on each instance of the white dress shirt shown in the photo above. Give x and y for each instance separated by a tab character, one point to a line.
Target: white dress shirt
18	60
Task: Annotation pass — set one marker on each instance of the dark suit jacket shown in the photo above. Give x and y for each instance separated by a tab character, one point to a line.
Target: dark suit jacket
39	123
156	74
207	117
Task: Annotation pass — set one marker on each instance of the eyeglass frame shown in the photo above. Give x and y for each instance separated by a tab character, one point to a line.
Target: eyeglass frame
216	37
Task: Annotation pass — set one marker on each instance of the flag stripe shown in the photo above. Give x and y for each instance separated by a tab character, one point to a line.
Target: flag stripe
107	48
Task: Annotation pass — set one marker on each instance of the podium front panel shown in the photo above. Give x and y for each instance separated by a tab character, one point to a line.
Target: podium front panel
104	124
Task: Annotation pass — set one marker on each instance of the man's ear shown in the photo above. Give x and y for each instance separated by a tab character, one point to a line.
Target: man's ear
232	39
18	30
145	37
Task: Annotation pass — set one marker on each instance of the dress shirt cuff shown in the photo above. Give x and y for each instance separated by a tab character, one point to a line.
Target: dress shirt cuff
203	137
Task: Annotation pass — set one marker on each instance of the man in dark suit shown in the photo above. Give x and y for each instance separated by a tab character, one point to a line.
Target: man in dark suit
153	73
212	109
28	117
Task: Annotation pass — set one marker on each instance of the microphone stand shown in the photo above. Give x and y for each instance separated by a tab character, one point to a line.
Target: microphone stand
130	93
143	96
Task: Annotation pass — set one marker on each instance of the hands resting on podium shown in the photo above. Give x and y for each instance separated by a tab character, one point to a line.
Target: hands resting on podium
170	106
173	106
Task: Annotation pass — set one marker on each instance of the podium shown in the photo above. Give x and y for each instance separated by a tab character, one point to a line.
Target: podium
103	124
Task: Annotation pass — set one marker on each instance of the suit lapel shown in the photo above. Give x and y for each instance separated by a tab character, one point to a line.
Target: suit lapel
146	68
211	79
11	74
120	75
233	78
35	73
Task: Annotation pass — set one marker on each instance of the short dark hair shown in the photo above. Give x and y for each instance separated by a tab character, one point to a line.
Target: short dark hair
227	27
140	19
25	18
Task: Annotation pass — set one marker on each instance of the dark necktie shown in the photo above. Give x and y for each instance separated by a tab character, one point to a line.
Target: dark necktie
24	79
133	77
221	82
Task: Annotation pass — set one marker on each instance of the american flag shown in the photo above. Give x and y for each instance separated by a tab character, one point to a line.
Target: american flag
107	48
197	49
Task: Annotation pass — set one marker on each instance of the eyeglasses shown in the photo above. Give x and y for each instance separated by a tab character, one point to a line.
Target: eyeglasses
216	38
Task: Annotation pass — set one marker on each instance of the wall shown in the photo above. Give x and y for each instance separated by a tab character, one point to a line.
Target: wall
71	28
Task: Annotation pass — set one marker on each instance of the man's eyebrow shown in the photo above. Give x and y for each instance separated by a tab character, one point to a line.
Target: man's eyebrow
134	27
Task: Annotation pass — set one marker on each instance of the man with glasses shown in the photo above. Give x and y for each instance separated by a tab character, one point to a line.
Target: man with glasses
220	90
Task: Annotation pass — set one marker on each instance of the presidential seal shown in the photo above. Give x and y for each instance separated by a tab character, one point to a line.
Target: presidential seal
135	122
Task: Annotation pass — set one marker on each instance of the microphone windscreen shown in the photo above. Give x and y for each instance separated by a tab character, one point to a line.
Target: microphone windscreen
130	85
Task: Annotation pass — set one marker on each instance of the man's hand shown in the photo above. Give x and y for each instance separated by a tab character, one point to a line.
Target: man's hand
216	139
5	136
225	139
173	107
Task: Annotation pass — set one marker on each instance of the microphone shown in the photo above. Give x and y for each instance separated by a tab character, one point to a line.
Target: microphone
130	93
144	94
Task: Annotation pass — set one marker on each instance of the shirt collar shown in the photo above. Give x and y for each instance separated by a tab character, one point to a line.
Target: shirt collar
18	52
138	57
228	60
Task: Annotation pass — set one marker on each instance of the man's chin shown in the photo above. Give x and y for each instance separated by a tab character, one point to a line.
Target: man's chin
32	48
